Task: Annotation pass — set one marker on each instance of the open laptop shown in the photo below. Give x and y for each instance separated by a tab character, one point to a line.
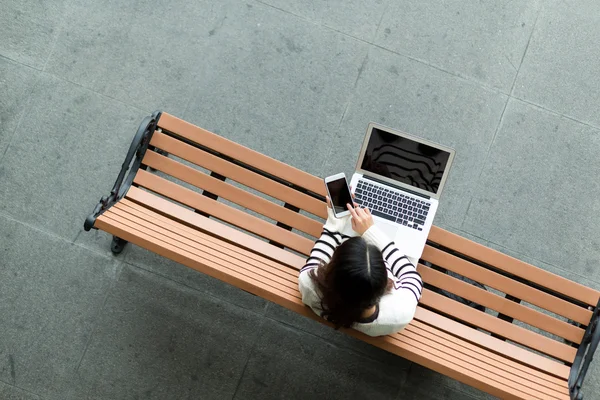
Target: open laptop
400	178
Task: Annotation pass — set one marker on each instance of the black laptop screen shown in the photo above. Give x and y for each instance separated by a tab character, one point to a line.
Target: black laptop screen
405	160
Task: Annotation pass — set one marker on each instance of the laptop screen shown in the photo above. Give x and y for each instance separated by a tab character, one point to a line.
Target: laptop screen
405	160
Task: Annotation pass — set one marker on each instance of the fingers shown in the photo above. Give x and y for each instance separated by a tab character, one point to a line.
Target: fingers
352	210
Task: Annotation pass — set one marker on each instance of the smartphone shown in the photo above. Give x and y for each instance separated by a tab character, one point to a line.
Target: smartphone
339	193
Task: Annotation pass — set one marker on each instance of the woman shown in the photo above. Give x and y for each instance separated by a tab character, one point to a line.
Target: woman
357	277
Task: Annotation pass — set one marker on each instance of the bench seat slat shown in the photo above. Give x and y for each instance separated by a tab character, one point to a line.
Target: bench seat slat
405	345
514	266
241	153
223	212
469	367
219	267
482	354
231	235
232	193
215	243
492	324
502	305
439	322
239	174
196	244
497	371
507	285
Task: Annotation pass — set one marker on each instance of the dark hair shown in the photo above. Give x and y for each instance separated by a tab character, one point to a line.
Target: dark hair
353	281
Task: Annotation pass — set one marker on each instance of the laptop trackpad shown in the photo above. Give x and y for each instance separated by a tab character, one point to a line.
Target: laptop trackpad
390	230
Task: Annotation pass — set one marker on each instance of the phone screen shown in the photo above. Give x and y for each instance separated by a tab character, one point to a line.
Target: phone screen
340	195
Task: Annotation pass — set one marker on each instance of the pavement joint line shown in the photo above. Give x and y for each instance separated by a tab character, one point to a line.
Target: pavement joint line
20	388
556	113
512	89
19	62
97	318
96	92
485	160
26	108
482	85
59	31
250	353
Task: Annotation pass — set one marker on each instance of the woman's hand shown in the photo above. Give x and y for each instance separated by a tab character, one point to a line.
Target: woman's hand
361	219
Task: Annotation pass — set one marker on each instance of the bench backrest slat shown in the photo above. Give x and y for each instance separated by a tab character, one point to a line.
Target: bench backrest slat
238	152
507	285
223	212
495	325
460	330
239	174
231	193
204	224
507	307
515	267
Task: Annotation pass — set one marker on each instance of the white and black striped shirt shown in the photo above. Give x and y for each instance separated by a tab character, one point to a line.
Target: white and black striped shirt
397	307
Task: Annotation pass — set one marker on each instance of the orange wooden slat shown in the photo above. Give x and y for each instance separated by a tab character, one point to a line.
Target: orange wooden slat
223	212
473	368
405	350
477	352
239	174
229	264
498	346
506	285
233	194
208	265
215	243
179	238
502	305
514	266
215	228
499	371
492	324
241	153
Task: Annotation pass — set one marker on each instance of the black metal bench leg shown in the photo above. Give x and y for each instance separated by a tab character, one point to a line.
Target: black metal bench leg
117	245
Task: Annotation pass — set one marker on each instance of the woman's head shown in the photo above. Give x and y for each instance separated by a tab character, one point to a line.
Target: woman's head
353	281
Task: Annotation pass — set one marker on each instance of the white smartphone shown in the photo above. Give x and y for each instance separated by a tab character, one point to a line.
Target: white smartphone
339	193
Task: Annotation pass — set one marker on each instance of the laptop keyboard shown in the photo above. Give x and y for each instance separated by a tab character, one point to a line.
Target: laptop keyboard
392	205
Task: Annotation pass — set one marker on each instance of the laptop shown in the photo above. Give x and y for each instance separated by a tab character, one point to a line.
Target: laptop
400	178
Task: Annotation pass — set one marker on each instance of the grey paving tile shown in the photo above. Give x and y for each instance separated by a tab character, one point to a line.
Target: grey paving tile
50	295
66	154
193	279
423	383
288	364
28	29
9	392
156	340
425	102
483	41
139	53
281	87
355	18
538	192
559	71
16	82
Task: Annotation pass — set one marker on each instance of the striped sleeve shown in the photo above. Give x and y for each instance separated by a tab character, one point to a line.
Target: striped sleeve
323	249
398	264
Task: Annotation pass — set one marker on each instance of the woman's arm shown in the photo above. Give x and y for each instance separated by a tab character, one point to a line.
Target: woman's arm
399	265
329	240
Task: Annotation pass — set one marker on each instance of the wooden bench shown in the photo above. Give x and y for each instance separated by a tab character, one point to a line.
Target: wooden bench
163	202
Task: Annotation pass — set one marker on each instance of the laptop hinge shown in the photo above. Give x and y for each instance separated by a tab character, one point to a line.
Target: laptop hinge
397	187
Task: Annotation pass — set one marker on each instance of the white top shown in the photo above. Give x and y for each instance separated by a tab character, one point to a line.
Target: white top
397	307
